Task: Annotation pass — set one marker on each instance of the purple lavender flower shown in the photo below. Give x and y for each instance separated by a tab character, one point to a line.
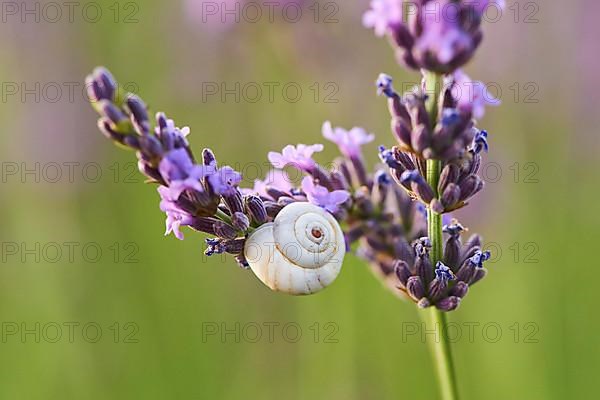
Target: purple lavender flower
383	14
384	85
442	272
349	142
320	196
299	156
480	142
176	217
479	258
471	96
225	180
178	170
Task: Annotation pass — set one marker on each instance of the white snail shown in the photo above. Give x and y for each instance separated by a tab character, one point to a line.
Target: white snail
301	252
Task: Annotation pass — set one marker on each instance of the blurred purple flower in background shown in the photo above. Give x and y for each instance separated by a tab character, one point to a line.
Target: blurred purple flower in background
383	14
320	196
299	156
442	34
349	142
438	35
471	96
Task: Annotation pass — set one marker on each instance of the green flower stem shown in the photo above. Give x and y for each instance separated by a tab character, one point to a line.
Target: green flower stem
226	218
223	216
439	346
435	320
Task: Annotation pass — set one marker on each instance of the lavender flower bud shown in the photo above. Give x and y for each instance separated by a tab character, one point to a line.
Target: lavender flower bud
235	246
403	158
449	175
345	170
402	272
256	209
151	146
402	249
452	252
139	113
106	127
418	185
285	200
94	91
472	245
415	104
423	268
381	187
451	195
402	132
204	224
240	221
338	181
466	271
448	303
459	290
208	157
106	82
470	186
234	201
398	109
112	113
321	176
419	138
424	303
436	206
224	230
415	289
480	273
274	193
272	208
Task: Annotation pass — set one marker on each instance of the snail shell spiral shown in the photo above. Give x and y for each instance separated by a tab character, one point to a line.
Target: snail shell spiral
300	252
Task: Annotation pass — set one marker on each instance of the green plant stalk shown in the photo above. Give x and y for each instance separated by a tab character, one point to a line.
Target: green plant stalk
435	320
226	218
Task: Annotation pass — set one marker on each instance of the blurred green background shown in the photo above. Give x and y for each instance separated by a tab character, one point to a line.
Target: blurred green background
529	331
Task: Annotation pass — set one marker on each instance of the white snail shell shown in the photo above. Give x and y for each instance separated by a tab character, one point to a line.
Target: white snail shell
300	252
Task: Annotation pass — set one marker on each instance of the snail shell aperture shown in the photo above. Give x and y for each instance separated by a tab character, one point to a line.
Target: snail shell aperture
300	252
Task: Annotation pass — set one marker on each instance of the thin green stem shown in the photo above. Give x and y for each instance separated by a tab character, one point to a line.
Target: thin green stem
223	216
435	320
439	346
